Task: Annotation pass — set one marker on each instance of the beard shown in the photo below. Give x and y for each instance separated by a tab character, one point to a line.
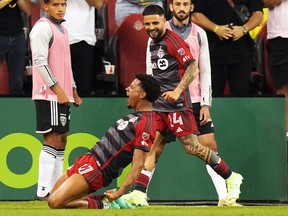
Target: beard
155	35
182	17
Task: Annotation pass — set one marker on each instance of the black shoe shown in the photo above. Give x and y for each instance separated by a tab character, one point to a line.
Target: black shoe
42	198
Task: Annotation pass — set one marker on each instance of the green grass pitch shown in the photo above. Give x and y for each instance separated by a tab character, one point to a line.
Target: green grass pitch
39	208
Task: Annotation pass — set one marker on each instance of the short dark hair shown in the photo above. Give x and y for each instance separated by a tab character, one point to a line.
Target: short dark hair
171	1
150	85
47	1
152	10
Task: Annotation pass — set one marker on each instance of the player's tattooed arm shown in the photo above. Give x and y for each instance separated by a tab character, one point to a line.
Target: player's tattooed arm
190	74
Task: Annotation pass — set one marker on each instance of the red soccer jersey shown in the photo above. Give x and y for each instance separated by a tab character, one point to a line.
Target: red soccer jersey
170	56
115	150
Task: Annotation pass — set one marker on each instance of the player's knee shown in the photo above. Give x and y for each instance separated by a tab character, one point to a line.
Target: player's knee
53	203
158	152
190	149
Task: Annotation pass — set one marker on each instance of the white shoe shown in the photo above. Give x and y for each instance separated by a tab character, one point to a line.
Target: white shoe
233	187
224	202
136	198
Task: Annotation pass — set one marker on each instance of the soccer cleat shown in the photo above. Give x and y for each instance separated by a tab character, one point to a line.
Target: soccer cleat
123	203
136	198
233	188
110	205
42	198
222	202
235	204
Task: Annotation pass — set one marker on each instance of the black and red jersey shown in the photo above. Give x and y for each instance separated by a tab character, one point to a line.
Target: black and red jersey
170	56
115	150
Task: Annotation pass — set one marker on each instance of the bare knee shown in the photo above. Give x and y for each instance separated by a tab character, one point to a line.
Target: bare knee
190	144
158	151
54	203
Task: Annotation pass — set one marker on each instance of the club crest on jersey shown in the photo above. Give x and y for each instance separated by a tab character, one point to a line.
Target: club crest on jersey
145	135
122	125
162	64
63	119
181	51
160	52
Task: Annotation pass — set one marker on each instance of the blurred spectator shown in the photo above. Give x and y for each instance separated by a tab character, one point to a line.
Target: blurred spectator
231	48
80	24
124	8
13	43
277	46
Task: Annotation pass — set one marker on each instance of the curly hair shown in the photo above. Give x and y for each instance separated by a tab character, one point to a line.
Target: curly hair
150	85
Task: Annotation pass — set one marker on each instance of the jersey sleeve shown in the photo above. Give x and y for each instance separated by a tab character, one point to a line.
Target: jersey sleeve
205	69
143	135
149	70
179	49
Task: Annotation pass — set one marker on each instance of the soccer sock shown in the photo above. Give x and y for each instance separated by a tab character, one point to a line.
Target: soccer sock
151	175
142	181
58	167
47	160
219	183
222	169
95	204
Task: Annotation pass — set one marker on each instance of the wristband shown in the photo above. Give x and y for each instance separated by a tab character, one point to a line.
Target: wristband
216	29
11	6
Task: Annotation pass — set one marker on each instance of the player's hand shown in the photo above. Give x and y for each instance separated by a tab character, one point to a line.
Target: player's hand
171	96
61	96
112	195
77	99
63	99
204	115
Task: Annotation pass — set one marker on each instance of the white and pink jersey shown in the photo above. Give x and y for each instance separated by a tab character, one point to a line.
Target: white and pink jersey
51	54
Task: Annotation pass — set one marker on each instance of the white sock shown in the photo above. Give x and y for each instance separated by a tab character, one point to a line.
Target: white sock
58	168
150	174
219	183
47	160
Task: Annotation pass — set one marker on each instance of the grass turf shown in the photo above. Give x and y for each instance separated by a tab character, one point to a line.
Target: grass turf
41	209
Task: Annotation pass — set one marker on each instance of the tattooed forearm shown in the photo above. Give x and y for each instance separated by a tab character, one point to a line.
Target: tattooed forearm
190	74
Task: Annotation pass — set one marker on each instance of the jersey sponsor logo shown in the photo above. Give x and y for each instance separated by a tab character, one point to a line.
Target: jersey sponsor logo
123	125
134	119
145	135
181	51
63	119
160	53
85	169
144	143
120	121
162	64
